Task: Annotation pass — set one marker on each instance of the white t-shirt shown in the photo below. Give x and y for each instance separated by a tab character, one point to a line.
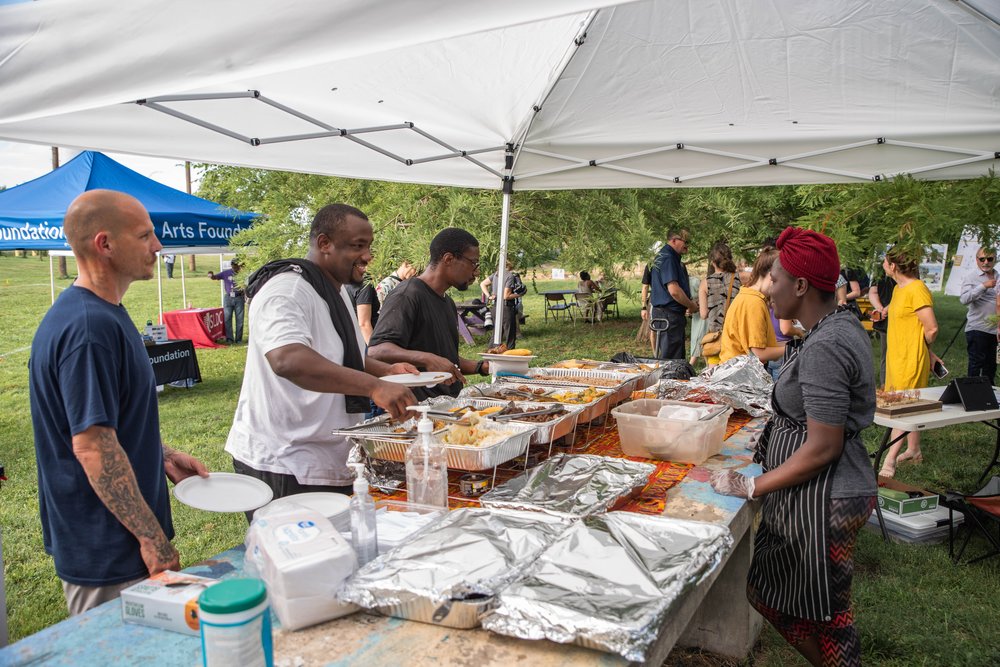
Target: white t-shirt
280	427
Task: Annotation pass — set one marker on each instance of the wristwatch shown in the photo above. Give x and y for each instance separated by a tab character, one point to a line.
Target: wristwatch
479	367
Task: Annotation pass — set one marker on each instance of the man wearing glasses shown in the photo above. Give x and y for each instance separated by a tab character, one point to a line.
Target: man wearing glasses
980	295
671	298
418	322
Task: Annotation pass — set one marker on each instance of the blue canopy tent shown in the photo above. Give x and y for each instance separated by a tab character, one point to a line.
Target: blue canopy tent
31	214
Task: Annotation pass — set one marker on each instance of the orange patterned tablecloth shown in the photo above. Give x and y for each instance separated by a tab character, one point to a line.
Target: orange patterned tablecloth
602	441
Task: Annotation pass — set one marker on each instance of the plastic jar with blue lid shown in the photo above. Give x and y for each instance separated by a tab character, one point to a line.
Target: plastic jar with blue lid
235	621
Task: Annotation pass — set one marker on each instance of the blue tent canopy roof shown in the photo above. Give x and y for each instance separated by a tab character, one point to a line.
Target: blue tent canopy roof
31	214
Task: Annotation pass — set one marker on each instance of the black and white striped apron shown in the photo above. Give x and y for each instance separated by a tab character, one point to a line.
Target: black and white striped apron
790	571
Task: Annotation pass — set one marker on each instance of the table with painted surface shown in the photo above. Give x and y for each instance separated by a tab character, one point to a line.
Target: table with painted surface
713	616
202	326
949	415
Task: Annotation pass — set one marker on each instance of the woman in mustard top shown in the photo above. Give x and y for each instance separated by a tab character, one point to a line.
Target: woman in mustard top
912	330
747	328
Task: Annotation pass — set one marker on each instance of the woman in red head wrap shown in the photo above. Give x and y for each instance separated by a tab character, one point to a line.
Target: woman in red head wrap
817	485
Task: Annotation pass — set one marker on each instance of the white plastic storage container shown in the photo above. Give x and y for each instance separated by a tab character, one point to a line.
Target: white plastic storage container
683	441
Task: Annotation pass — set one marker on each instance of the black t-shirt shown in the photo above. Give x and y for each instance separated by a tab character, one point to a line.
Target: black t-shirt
884	285
415	317
364	295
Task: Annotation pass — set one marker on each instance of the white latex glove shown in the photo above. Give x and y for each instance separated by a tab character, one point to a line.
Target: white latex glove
732	483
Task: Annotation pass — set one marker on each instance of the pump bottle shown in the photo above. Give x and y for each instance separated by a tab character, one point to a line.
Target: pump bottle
363	526
426	465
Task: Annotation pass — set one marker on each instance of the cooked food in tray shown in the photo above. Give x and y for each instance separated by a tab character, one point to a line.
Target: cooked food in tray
594	365
889	398
527	414
579	379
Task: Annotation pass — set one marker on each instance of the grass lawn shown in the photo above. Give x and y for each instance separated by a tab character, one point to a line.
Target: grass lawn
913	607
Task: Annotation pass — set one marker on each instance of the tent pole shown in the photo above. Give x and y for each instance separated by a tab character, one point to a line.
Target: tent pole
159	287
184	292
508	189
52	278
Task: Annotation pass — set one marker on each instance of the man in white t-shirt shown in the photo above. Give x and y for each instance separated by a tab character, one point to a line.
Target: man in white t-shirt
303	379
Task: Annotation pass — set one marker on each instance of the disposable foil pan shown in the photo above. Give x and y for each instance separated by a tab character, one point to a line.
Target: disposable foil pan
626	382
575	485
459	614
591	411
545	432
459	457
450	572
610	582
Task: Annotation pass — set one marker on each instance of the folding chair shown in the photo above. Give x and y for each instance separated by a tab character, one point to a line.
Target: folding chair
589	305
981	512
555	304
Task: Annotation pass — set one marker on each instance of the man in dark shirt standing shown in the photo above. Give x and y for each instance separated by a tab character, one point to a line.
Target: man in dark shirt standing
102	467
671	297
418	322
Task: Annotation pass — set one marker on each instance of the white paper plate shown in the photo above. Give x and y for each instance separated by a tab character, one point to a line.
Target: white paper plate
425	379
334	506
223	492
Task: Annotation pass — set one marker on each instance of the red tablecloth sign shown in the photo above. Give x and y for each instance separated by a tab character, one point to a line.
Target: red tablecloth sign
203	326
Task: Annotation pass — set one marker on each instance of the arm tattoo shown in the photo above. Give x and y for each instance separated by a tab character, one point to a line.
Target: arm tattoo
116	486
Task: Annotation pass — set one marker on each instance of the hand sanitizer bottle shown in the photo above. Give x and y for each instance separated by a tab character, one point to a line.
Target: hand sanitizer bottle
363	528
426	465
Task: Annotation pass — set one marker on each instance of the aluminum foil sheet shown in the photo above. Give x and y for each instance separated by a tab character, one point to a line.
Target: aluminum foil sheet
579	485
610	582
742	383
470	554
385	475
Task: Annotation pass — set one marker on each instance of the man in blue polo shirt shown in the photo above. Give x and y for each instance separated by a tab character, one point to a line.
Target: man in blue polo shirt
670	297
102	468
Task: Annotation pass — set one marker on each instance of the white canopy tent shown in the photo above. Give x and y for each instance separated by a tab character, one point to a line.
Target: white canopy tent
523	95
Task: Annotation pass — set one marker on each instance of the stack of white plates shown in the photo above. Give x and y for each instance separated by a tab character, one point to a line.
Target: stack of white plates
334	506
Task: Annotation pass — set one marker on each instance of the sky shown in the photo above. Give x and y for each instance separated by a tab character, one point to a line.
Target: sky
20	163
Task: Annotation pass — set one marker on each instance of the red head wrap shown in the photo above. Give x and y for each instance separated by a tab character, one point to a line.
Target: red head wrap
810	255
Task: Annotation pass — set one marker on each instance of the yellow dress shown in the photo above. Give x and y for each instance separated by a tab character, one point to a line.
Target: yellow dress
907	362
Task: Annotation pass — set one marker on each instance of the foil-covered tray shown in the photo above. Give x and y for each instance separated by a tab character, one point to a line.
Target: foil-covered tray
450	572
610	582
545	431
543	392
574	485
460	457
741	383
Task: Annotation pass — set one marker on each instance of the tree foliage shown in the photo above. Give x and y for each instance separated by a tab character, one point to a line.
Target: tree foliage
607	231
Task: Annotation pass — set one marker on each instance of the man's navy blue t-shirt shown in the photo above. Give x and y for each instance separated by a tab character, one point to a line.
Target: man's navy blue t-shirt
88	367
668	269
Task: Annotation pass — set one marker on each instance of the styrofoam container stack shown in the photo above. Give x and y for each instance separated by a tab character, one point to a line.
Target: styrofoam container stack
683	440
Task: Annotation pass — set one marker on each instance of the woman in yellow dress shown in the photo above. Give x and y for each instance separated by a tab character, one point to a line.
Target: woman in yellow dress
912	330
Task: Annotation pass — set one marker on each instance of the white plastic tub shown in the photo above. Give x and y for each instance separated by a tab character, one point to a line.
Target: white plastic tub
646	435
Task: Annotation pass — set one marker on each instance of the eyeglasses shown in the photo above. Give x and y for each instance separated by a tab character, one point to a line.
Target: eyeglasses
986	259
474	264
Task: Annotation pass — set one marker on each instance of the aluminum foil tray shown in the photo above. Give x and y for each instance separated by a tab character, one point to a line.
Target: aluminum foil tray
545	432
574	485
591	411
610	582
627	382
459	457
450	572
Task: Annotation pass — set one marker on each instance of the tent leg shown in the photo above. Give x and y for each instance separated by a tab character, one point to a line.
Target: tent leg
159	287
508	189
184	294
52	281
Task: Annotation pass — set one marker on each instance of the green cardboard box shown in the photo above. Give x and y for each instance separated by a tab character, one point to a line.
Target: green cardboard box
894	497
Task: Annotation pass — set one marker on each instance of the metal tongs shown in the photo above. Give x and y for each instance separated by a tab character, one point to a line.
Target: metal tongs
511	416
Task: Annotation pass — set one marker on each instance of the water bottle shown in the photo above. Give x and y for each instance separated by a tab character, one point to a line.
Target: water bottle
426	465
235	621
363	526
